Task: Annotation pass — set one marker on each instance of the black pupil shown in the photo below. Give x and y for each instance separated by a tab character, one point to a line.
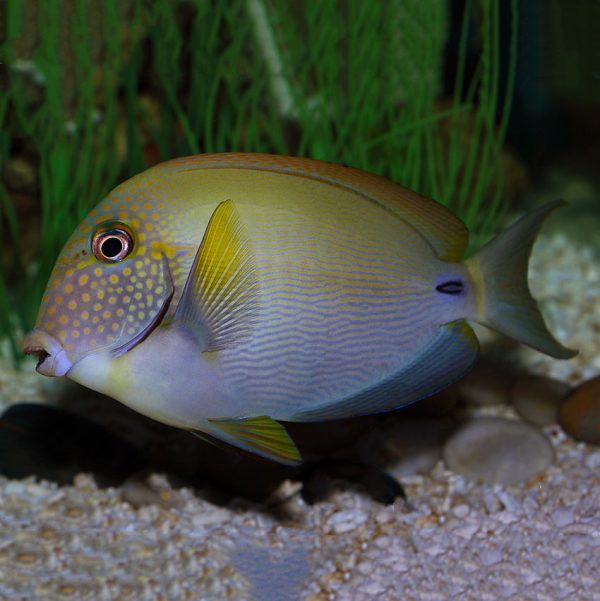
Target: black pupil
111	247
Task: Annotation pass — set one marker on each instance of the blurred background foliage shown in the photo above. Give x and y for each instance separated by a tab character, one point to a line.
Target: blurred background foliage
92	92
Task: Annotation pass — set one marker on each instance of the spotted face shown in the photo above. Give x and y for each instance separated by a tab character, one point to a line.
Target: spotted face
110	287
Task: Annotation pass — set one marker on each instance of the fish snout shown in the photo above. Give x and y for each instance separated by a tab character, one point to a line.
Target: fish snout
52	357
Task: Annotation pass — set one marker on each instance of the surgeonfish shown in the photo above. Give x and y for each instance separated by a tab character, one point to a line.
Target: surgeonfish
225	293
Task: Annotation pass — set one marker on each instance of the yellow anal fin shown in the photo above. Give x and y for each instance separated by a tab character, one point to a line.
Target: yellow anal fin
220	299
261	435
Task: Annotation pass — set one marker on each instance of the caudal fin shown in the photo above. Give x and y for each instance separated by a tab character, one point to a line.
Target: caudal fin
503	300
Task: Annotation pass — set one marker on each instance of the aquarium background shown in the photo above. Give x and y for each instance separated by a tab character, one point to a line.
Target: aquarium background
92	92
99	502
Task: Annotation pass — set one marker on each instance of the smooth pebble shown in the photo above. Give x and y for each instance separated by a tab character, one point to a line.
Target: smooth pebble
344	521
140	492
496	450
579	415
537	398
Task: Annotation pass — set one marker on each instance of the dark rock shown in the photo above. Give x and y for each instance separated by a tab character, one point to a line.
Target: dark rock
53	444
579	415
321	478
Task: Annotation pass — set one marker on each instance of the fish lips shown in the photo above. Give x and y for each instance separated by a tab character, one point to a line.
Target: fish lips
52	357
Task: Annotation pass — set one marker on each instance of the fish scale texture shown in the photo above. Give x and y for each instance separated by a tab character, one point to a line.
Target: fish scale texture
460	540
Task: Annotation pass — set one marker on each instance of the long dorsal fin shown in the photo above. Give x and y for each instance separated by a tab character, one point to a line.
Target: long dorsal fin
438	225
220	299
261	435
451	355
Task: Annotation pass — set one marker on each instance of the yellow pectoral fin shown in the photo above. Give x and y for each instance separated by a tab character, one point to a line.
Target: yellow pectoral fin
261	435
220	298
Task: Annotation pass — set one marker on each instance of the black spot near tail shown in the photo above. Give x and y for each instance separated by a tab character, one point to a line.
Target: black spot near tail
451	287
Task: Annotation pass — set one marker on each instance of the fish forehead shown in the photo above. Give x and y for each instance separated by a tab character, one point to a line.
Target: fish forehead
144	203
162	215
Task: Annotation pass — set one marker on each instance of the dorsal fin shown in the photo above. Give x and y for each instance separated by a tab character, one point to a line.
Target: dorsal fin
445	232
261	435
220	301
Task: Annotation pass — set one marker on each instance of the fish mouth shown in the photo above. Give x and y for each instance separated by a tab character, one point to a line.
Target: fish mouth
52	357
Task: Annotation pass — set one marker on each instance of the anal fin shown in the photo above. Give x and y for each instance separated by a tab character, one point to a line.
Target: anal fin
261	435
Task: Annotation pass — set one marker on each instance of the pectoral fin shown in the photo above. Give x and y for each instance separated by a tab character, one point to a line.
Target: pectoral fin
220	299
261	435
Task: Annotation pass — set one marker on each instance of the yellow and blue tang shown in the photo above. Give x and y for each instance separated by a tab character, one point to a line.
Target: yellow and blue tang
221	293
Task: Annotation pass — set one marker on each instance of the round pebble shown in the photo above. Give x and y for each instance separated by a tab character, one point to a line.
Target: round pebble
579	415
487	384
140	492
537	398
496	450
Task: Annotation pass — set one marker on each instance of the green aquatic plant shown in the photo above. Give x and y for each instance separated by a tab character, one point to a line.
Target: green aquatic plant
93	92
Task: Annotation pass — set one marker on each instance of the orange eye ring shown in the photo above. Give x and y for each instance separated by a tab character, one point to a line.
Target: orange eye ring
112	243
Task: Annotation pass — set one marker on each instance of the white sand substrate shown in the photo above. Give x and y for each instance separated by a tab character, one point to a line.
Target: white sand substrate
456	540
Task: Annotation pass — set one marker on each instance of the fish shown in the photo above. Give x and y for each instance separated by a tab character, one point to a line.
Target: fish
227	293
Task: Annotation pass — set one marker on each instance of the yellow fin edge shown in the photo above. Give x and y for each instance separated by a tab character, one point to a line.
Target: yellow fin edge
261	435
220	302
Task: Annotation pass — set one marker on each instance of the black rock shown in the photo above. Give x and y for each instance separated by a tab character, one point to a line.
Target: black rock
53	444
321	478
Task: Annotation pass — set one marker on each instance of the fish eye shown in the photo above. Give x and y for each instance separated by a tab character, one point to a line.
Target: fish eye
112	242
